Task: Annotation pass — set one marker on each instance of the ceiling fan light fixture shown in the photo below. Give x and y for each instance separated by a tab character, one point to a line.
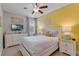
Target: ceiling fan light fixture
36	9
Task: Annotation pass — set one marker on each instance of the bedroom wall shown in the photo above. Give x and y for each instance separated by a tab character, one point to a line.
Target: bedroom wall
1	16
8	21
66	16
1	31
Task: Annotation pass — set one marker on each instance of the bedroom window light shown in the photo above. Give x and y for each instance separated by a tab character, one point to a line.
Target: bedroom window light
41	29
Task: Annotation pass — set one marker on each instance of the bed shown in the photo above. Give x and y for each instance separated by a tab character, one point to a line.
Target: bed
39	45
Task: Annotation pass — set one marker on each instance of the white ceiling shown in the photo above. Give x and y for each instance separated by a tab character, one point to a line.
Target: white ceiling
18	8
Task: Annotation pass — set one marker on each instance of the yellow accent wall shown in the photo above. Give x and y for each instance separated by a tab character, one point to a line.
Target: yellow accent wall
65	16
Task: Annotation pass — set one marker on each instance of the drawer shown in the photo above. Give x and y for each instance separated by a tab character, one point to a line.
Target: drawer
72	52
65	45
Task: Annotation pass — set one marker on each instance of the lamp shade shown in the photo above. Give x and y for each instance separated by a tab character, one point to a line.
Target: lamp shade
66	29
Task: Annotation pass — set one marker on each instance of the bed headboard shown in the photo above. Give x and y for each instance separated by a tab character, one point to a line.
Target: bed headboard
54	31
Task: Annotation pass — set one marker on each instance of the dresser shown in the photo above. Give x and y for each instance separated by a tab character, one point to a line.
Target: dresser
13	39
68	47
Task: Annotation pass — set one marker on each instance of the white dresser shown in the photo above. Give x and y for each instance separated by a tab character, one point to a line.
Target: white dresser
68	47
13	39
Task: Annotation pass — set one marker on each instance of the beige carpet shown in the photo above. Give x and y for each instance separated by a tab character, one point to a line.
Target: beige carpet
14	51
57	53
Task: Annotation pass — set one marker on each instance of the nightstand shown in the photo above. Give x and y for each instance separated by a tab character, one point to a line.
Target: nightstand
68	47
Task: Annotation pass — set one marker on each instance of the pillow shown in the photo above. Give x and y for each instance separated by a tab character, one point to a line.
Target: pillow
47	34
54	34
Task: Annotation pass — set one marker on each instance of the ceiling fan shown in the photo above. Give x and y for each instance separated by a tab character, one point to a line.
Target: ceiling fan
37	8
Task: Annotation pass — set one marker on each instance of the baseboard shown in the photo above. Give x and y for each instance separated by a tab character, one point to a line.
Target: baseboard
77	53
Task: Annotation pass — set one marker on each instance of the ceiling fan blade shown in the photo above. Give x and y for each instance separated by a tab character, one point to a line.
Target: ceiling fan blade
40	11
25	7
32	12
43	7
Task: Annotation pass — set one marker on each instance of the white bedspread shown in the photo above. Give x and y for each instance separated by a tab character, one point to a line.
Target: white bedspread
37	44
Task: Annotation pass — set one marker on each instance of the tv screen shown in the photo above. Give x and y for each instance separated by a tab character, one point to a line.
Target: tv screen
17	27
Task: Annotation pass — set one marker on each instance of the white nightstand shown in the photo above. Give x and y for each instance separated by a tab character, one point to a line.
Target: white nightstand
68	47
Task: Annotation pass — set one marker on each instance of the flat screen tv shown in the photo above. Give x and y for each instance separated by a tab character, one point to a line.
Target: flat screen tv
16	27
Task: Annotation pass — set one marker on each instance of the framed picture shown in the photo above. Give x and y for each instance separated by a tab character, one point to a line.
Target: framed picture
16	20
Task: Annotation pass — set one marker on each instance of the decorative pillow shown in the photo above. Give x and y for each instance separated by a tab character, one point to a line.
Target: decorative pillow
47	34
54	34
